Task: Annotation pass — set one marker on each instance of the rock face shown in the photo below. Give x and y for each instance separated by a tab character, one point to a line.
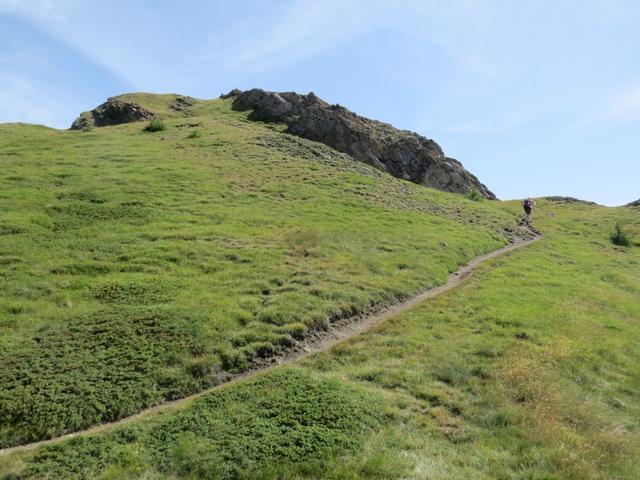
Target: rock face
402	153
634	204
112	112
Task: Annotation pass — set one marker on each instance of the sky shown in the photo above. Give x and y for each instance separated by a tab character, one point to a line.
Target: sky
534	97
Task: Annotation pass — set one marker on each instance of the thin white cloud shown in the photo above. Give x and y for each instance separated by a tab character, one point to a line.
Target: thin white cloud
627	106
22	100
46	10
88	30
305	29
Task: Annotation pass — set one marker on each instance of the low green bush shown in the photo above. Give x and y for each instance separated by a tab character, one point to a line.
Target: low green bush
155	125
474	195
619	236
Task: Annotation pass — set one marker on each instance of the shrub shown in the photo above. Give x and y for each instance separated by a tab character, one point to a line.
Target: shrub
155	125
619	236
474	194
195	134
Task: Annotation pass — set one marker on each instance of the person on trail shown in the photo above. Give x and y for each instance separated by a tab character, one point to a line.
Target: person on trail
528	205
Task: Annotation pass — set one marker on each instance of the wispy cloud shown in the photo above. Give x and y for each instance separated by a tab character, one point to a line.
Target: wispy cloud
627	106
303	30
51	10
29	101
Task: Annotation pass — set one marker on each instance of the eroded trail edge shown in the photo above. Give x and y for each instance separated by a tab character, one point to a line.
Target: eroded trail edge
339	331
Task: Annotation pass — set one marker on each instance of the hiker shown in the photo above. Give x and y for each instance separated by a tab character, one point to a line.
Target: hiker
528	205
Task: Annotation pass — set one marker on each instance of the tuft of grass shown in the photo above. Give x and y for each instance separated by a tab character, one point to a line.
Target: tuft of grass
195	134
155	125
619	237
474	195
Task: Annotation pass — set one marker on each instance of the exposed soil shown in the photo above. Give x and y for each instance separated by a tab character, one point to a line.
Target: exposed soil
339	331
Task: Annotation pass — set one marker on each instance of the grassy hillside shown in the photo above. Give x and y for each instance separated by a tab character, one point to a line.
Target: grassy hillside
138	267
529	370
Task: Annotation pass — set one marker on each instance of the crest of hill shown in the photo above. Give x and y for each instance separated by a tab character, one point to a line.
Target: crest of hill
634	204
562	199
129	108
401	153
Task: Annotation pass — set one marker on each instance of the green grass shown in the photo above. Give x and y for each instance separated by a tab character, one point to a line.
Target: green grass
155	125
141	267
529	370
290	414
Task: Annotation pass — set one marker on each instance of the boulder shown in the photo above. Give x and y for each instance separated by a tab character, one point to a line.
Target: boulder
401	153
182	103
112	112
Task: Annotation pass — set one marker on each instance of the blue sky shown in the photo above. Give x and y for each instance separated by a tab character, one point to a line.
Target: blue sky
534	97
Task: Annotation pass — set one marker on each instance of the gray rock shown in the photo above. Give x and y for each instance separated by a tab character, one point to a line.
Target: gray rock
112	112
634	204
231	94
402	153
181	103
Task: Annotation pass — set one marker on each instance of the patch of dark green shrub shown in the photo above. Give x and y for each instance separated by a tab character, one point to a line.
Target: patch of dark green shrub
155	125
289	417
56	381
134	292
474	195
619	236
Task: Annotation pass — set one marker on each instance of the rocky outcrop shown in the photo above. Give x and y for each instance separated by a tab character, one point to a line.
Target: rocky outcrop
182	103
634	204
402	153
112	112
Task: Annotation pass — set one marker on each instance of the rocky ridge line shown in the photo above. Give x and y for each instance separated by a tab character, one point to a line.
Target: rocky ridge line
401	153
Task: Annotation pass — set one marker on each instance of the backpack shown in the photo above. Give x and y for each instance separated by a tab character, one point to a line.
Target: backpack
528	203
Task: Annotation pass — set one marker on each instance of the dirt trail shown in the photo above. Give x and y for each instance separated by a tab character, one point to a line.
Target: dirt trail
339	331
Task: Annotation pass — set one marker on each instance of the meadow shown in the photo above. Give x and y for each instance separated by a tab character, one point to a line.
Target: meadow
528	370
138	267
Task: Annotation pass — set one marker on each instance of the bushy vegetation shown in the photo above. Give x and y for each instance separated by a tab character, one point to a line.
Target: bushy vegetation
56	381
155	125
474	195
619	236
530	369
137	268
288	417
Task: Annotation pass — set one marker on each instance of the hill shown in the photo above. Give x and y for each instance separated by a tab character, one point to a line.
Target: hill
528	370
403	154
141	266
634	204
